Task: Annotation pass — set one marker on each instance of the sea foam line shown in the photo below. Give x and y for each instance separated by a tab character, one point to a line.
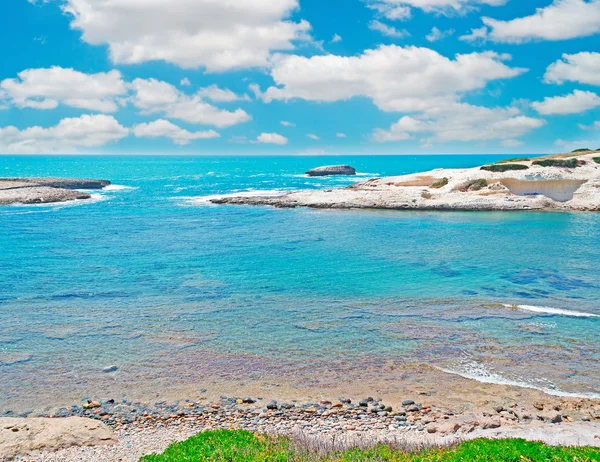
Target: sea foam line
118	187
480	374
549	310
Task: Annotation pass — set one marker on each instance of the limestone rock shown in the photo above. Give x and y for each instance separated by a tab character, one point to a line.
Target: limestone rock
26	437
331	170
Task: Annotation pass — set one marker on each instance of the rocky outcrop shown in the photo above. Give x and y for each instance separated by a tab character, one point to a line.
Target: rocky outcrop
538	187
46	190
331	170
27	437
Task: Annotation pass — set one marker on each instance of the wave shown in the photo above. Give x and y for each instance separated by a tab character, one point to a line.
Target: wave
476	371
556	311
206	200
118	187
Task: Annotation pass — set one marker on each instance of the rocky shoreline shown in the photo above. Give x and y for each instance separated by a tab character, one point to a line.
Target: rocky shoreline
569	182
142	427
46	190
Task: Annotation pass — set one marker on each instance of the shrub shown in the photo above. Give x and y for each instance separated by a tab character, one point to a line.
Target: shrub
477	185
516	159
581	150
597	160
504	167
564	163
440	184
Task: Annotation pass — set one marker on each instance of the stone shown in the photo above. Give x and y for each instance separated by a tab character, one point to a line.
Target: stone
272	405
556	419
110	369
46	190
21	437
331	170
408	402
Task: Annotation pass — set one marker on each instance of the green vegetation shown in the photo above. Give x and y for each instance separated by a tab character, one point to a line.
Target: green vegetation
581	150
516	159
243	446
597	160
440	184
477	185
566	163
504	167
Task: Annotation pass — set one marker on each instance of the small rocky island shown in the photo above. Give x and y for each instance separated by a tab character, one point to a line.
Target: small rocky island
331	170
46	190
559	182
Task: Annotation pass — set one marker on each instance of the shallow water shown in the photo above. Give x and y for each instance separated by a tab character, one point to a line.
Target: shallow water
150	277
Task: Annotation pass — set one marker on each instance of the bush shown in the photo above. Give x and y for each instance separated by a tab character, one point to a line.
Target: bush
516	159
597	160
440	184
477	185
504	167
581	150
564	163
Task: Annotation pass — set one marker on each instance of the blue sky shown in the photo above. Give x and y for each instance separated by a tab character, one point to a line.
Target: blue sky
299	76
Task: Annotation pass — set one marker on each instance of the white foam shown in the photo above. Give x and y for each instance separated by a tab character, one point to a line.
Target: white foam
118	187
549	310
476	371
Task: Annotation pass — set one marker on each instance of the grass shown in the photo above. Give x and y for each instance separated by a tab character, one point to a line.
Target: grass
565	163
504	167
243	446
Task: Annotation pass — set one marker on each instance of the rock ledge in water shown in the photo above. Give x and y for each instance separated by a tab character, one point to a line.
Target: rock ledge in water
331	170
46	190
26	437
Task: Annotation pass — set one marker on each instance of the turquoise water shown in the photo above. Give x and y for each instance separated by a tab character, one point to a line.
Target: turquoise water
152	278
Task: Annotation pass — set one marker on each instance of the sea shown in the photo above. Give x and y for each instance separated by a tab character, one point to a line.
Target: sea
151	277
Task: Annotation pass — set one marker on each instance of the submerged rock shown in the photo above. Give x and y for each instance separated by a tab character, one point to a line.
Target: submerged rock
331	170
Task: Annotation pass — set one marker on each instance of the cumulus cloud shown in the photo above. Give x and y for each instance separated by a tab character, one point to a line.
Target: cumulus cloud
313	136
388	31
336	39
272	138
573	103
561	20
220	95
164	128
401	79
594	126
185	82
401	9
582	67
437	34
47	88
340	135
285	123
218	35
71	134
154	96
461	122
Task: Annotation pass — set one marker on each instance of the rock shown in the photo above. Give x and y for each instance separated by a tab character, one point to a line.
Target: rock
248	400
556	419
487	424
26	437
408	402
91	404
61	183
46	190
331	170
110	369
272	405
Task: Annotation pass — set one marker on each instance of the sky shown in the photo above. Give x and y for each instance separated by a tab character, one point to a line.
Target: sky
299	76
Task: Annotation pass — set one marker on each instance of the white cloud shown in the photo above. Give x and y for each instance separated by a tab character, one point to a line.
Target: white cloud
401	79
47	88
219	95
573	103
87	131
217	35
272	138
312	136
512	143
164	128
401	9
185	82
437	34
388	31
594	126
476	35
582	67
341	135
461	122
153	96
285	123
336	38
561	20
